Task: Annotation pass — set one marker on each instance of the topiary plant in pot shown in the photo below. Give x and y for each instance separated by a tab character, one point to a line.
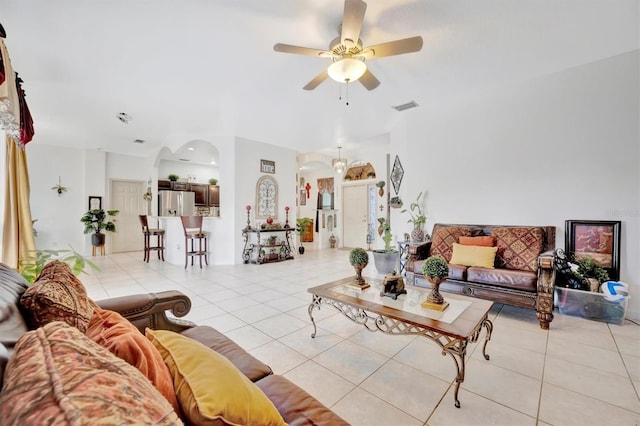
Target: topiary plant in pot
436	269
97	220
359	259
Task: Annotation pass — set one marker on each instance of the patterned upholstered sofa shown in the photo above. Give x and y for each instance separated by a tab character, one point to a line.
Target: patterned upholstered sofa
67	360
521	273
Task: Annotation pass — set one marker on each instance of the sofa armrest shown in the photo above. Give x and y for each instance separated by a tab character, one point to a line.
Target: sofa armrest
150	310
546	288
419	251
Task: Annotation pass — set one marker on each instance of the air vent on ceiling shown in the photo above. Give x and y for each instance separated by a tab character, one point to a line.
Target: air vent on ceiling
138	141
184	159
408	105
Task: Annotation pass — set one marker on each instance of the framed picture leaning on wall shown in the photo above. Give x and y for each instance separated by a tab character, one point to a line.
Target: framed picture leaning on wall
597	239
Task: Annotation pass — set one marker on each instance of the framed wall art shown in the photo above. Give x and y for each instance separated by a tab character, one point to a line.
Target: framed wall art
266	198
597	239
95	203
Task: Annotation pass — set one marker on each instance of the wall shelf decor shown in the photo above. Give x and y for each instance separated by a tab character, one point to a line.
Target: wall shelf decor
397	172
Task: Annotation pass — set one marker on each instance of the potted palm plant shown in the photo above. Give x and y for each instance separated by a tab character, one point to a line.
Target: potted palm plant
418	220
385	259
97	220
301	225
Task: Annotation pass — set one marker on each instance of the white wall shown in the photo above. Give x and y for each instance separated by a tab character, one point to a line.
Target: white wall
199	172
246	175
58	217
561	147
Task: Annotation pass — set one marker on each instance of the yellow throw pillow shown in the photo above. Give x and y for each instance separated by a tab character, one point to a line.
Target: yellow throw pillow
210	389
473	255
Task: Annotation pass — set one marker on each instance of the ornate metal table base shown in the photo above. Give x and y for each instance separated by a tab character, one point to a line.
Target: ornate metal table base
456	347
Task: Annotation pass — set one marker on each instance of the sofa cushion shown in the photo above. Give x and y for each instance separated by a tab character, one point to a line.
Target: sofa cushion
520	280
443	238
518	247
457	272
483	241
114	333
473	255
57	295
296	406
250	366
210	389
59	376
12	286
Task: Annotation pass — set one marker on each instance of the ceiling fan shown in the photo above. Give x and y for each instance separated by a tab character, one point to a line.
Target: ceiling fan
348	53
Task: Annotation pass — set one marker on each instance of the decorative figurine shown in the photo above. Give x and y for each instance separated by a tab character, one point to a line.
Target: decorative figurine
286	212
248	219
393	286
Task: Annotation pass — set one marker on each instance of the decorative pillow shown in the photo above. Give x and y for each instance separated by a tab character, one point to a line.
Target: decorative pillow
473	255
114	333
210	389
58	376
518	247
57	295
443	239
483	241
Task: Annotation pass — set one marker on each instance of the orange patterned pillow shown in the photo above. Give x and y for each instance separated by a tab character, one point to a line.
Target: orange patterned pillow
72	380
57	295
443	239
518	247
482	241
113	332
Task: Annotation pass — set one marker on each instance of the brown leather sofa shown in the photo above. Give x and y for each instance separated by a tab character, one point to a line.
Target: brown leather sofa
295	405
523	274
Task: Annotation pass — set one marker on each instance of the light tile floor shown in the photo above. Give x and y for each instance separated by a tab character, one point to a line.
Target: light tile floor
580	372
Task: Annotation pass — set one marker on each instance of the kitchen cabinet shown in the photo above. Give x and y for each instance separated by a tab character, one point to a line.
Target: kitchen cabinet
201	191
164	184
214	196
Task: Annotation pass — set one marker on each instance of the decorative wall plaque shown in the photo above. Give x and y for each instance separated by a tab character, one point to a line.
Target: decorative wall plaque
266	198
397	172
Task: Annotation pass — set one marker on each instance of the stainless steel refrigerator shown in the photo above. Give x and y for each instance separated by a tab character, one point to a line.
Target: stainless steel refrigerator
176	203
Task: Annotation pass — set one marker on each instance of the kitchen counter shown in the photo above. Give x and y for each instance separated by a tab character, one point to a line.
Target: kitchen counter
174	237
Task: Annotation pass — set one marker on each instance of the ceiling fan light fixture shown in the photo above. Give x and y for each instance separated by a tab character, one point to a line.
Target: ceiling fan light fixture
347	70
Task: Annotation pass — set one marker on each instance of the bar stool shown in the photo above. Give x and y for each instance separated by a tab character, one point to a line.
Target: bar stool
148	233
192	226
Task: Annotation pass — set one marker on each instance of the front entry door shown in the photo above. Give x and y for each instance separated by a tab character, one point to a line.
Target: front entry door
127	196
355	206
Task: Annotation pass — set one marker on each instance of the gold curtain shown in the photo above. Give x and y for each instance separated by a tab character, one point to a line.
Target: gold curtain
17	237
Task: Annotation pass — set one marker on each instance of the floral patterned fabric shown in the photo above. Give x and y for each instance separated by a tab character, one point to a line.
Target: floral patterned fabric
518	247
59	376
443	239
57	295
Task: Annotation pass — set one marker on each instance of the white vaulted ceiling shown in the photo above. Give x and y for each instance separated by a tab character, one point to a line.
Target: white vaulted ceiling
196	70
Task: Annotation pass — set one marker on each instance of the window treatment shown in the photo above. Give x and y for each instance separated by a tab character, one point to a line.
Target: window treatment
17	234
325	184
15	119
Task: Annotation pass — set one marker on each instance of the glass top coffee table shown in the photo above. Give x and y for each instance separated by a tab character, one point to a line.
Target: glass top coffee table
451	329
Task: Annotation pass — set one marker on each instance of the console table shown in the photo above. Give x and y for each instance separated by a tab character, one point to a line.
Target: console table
266	245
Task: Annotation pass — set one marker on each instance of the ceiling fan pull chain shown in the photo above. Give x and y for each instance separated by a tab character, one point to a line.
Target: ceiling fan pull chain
347	90
339	92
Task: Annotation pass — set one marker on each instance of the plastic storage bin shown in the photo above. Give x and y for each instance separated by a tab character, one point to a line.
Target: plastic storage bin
591	305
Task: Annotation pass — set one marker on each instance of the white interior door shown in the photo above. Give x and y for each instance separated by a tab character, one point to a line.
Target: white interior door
355	206
127	196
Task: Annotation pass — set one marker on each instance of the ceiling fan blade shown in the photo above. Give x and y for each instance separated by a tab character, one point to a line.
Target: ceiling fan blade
369	81
317	80
288	48
397	47
352	21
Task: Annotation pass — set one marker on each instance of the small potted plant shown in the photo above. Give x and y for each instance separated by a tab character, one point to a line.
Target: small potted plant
97	220
435	269
359	259
213	181
173	178
418	219
380	184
